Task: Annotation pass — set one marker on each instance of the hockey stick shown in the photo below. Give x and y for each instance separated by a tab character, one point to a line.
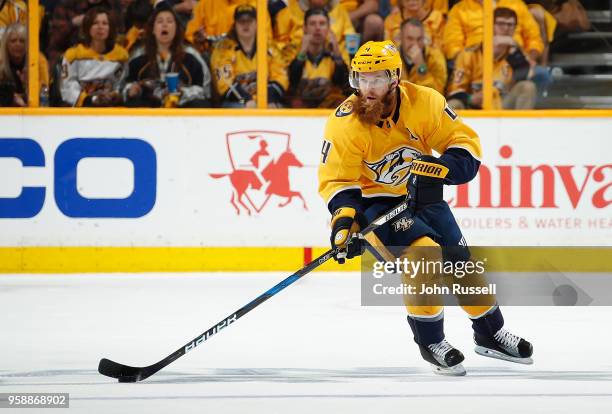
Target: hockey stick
126	373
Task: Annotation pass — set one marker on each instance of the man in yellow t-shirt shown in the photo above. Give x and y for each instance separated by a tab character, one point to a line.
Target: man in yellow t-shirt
423	65
289	27
464	28
365	18
511	71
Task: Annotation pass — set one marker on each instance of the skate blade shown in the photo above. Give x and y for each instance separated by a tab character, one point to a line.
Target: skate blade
481	350
454	371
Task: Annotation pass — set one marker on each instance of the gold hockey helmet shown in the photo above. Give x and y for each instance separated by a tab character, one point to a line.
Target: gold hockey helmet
375	56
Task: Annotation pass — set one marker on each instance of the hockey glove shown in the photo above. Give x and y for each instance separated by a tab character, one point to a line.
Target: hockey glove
345	234
426	181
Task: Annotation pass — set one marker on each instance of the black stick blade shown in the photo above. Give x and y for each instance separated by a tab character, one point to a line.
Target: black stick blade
123	373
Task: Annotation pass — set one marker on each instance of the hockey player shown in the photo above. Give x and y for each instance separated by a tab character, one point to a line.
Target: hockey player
376	144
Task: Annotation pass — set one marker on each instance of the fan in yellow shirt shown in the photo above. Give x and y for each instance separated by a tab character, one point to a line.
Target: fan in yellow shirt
424	65
365	18
464	27
511	71
433	21
234	64
289	27
212	19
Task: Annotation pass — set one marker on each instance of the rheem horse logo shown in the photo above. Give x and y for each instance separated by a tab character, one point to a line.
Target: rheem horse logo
260	169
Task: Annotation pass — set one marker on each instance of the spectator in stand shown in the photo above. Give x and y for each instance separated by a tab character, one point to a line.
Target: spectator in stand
423	65
439	5
92	70
182	8
164	52
136	17
318	75
464	28
433	21
289	26
512	88
547	23
14	67
67	19
212	20
365	18
12	11
234	64
274	6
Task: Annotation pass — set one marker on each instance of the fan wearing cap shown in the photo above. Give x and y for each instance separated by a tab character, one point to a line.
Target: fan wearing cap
234	64
318	74
376	153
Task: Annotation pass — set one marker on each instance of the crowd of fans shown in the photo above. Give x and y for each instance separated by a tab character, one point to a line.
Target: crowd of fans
202	53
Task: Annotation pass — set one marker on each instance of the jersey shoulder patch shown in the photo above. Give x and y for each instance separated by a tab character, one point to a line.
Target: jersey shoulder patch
346	108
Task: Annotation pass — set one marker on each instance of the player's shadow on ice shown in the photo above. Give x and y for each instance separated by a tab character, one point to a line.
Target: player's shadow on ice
298	375
401	374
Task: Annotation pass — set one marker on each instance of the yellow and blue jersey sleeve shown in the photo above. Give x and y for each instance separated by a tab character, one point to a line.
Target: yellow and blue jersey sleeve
457	142
340	165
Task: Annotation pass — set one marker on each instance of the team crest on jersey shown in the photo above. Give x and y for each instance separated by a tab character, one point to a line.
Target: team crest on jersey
402	224
393	168
345	109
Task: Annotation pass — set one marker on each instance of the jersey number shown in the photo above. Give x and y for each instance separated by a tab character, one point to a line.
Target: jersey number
325	151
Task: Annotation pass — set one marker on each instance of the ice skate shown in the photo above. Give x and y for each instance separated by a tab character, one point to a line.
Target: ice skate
505	346
444	358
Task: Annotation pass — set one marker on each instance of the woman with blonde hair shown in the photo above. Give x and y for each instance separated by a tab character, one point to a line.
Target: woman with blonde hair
14	67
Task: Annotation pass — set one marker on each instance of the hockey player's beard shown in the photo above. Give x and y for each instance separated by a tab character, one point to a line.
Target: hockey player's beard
371	111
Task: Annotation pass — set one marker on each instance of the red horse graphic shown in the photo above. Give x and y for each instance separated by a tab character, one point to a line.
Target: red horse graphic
275	175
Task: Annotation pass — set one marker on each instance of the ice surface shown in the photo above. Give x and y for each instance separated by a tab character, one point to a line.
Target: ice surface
309	349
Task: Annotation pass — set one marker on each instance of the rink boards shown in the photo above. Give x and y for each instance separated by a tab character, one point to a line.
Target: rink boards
215	193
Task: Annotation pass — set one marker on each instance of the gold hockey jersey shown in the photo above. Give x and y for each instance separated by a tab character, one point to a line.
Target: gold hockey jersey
375	159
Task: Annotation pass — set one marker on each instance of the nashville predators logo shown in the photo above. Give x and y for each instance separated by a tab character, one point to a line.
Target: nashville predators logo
393	168
402	224
345	109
